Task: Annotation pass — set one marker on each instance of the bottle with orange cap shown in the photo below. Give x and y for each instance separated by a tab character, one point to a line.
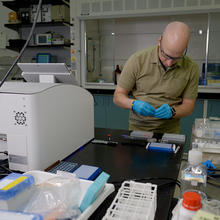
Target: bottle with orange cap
191	203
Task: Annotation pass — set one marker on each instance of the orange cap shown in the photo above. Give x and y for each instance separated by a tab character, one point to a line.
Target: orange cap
191	201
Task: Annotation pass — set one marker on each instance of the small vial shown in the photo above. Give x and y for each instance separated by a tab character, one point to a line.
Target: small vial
109	137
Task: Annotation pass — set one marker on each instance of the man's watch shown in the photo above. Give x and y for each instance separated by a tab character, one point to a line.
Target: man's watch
173	111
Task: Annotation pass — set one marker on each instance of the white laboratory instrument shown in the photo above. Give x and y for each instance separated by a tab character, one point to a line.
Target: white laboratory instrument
43	122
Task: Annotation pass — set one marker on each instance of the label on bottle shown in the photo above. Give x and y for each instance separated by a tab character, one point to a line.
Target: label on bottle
118	76
193	178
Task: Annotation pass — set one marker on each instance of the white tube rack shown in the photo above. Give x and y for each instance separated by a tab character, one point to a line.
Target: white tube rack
133	201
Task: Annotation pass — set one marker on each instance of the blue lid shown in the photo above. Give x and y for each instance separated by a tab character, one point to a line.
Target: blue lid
13	184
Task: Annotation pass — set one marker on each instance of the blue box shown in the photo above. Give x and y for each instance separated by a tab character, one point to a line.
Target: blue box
13	184
15	190
87	172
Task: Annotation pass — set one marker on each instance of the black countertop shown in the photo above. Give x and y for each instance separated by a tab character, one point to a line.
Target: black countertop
132	162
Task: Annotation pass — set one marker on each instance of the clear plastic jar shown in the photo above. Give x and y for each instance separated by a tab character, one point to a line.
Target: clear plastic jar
193	174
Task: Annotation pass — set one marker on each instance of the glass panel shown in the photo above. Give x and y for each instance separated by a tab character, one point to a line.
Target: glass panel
197	45
100	39
213	70
110	42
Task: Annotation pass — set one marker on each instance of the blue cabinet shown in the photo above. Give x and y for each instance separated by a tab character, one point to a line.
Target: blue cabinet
108	115
116	117
213	108
99	111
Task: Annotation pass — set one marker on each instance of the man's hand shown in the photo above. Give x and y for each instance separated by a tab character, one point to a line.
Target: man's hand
143	108
164	111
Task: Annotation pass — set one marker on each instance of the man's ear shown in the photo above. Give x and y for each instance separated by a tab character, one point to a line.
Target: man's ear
159	40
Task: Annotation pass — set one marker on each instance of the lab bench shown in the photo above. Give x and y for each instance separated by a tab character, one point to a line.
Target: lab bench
132	162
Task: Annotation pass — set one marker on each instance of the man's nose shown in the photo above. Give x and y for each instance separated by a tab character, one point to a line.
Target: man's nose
170	62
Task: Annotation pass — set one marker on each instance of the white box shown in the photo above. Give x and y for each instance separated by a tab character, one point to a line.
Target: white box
41	176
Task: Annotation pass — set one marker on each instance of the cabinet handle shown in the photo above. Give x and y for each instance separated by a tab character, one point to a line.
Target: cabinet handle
95	102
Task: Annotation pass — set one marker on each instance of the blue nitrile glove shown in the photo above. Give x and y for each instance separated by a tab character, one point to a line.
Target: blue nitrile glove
210	167
164	111
143	108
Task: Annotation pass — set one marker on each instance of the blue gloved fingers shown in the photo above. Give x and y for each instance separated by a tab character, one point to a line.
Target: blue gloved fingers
164	111
148	110
166	114
160	111
209	165
212	166
143	108
161	115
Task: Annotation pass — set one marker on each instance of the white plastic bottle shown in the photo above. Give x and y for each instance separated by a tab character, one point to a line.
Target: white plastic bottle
191	203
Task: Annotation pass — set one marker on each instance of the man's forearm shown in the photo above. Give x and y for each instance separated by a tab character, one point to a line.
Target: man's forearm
183	110
123	101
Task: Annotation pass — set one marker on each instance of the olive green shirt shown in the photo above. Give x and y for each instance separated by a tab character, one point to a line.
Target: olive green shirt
144	75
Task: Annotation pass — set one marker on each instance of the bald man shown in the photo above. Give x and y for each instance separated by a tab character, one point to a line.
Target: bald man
163	82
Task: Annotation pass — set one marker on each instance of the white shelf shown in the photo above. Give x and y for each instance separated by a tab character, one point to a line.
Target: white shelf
209	89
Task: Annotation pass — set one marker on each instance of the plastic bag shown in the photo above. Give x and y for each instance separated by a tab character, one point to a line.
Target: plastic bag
212	206
55	197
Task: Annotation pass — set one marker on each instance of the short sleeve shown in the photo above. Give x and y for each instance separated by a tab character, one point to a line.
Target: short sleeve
127	79
191	90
